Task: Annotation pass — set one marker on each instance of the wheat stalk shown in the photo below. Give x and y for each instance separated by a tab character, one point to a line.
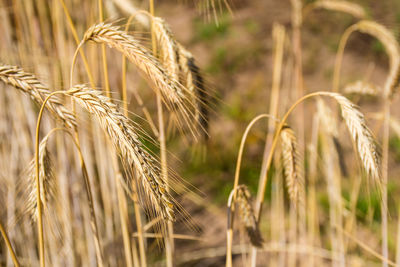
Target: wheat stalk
247	216
29	84
123	135
293	167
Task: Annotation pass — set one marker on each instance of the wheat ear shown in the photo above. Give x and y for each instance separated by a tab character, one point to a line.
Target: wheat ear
293	166
122	133
247	216
194	82
48	187
149	66
361	135
29	84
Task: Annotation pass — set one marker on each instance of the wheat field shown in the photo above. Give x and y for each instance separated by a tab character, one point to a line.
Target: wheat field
199	133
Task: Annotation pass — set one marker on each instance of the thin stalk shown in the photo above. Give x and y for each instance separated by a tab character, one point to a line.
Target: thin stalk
232	198
94	227
398	238
279	39
339	58
120	193
9	246
83	166
385	155
169	241
103	54
76	38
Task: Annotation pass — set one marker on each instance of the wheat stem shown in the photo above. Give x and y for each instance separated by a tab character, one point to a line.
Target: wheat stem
9	246
169	242
231	210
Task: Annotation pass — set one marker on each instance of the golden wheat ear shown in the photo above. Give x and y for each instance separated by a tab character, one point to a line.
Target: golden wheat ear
48	186
362	137
194	81
149	66
293	166
247	215
123	134
29	84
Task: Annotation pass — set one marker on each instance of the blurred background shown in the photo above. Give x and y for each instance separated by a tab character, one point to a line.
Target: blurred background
234	49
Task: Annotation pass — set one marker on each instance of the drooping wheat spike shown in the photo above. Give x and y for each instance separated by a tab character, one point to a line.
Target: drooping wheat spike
293	167
167	46
330	125
123	134
181	66
361	88
353	9
362	137
29	84
48	187
247	216
194	82
149	66
138	54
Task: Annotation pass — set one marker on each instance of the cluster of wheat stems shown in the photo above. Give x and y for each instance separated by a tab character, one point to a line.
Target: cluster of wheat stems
78	221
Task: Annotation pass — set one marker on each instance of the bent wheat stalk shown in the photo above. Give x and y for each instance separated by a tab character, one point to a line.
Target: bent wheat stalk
360	133
39	194
353	9
231	208
392	48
